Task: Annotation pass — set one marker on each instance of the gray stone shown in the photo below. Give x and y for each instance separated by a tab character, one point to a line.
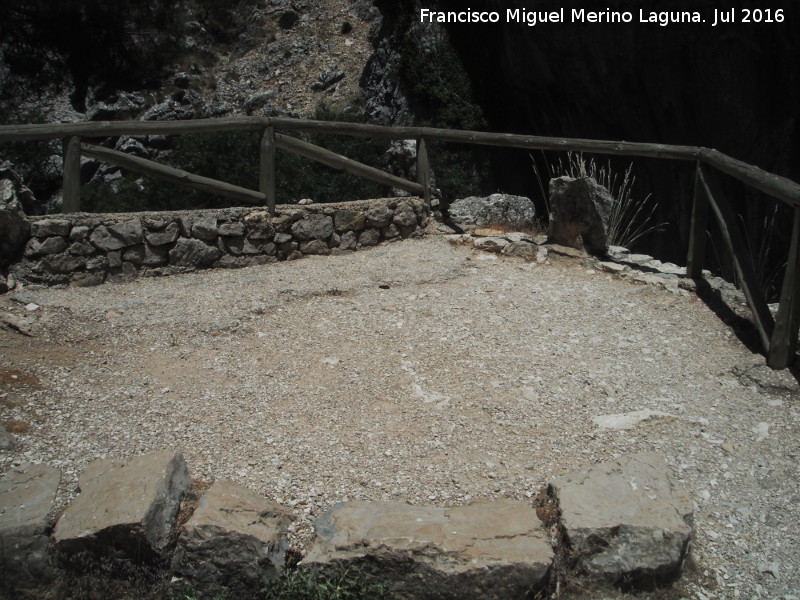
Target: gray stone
7	441
313	227
626	520
490	244
282	238
227	261
524	250
497	210
114	259
27	493
51	245
50	227
101	263
241	245
349	220
161	238
81	248
118	236
260	226
315	247
348	241
125	508
14	227
236	537
391	232
488	550
369	237
379	216
579	214
205	228
193	253
79	233
234	229
61	263
87	279
404	216
146	255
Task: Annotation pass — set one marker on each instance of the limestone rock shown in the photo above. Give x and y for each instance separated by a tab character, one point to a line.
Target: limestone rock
314	227
118	235
125	508
626	520
236	537
7	441
234	229
27	493
524	250
369	237
51	245
205	228
504	210
193	253
49	227
379	216
14	227
579	213
349	220
404	216
161	238
315	247
146	255
490	244
488	550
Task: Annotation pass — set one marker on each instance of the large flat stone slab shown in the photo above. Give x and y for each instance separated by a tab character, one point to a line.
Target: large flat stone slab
236	537
126	509
27	494
488	550
626	521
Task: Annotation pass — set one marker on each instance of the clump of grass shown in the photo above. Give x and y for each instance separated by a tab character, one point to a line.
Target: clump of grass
630	219
347	583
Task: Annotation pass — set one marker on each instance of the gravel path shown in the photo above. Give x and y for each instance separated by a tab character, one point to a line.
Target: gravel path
417	371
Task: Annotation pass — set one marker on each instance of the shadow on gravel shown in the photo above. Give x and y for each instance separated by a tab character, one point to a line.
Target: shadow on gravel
742	327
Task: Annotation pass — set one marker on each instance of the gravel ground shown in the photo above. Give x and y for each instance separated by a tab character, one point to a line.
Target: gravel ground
417	371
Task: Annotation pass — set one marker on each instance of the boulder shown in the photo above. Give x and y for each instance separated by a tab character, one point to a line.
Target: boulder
626	521
236	537
126	509
313	227
161	238
27	494
404	216
524	250
579	213
379	216
315	247
51	245
498	210
7	441
369	237
193	253
205	228
48	227
490	244
14	227
488	550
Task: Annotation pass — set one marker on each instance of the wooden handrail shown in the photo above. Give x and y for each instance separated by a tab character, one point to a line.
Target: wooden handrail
779	337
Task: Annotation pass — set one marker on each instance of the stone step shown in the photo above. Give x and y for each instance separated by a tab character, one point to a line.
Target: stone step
488	550
126	509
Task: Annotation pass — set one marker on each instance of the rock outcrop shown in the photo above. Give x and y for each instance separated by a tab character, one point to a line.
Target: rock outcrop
514	213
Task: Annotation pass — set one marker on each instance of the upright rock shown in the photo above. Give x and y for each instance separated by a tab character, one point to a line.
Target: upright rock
626	521
515	213
126	509
235	538
488	550
27	493
14	227
579	214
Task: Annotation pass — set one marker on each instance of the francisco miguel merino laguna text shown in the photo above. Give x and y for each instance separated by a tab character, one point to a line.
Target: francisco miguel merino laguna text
576	15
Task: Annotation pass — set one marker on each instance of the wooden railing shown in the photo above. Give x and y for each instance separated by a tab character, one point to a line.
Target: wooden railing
778	336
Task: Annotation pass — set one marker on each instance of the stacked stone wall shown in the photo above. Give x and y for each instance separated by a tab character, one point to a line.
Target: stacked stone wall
89	249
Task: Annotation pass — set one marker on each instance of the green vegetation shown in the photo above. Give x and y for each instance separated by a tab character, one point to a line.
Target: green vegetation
348	583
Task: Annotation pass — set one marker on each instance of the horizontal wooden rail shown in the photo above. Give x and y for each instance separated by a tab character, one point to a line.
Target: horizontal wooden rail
338	161
154	169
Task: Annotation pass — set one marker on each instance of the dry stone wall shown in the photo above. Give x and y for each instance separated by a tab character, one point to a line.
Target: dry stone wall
89	249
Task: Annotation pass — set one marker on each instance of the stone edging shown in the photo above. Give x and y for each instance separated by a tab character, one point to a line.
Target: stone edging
622	523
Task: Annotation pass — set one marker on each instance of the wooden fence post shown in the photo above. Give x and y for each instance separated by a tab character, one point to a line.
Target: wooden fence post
71	187
697	234
424	170
740	253
266	170
783	344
